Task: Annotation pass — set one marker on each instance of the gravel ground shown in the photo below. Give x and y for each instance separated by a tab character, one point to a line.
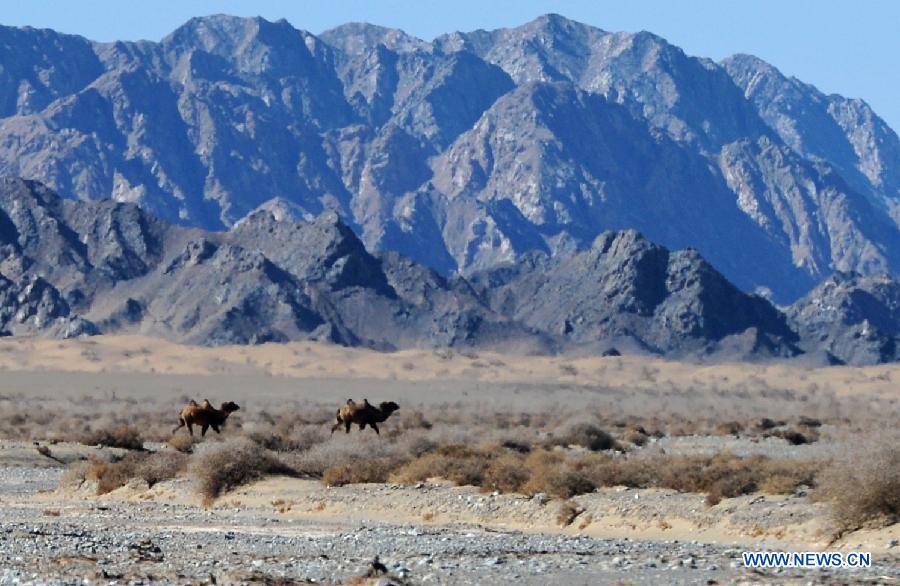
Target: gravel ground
77	541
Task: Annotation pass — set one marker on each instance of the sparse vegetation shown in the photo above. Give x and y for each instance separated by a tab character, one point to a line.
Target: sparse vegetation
561	452
219	467
359	470
110	475
584	434
863	487
121	436
568	511
183	443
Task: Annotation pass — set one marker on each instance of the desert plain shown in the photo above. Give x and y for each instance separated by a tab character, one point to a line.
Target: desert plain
497	469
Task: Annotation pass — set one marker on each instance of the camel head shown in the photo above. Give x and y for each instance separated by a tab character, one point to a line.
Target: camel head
230	407
388	407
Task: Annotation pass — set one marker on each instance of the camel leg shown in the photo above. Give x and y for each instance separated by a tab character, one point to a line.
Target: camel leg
362	426
203	431
336	426
347	425
216	429
179	426
190	429
375	427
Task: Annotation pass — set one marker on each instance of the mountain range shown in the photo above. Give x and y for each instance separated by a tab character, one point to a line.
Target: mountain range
472	178
467	152
71	268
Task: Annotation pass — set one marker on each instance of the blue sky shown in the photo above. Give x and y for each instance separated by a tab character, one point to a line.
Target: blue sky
851	48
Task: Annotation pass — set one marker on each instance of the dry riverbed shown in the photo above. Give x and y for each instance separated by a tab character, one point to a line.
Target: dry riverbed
289	530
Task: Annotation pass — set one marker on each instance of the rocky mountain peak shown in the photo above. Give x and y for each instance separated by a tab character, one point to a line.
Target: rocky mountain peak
467	153
354	38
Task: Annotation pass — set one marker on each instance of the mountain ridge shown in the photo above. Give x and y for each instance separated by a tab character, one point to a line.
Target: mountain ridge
228	115
269	280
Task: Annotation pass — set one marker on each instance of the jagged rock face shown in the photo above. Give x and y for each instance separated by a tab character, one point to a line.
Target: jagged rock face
226	294
844	132
270	280
852	317
264	280
32	306
465	153
627	288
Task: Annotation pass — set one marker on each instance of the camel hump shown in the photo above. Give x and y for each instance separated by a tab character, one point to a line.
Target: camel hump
192	403
205	404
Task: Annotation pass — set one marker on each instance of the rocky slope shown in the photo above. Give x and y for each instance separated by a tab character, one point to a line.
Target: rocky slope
626	292
71	268
465	153
851	318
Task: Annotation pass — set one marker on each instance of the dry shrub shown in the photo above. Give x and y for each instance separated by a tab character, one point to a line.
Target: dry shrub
415	445
151	468
457	463
864	488
551	473
75	474
805	421
567	513
361	470
506	474
720	476
413	420
728	428
347	449
586	435
284	438
183	443
120	436
162	466
220	467
766	423
796	437
636	437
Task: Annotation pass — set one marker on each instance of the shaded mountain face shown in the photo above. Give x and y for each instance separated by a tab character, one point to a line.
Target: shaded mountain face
72	268
853	318
466	153
625	290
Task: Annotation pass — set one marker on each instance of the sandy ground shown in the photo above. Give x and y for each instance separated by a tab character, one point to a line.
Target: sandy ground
297	530
135	354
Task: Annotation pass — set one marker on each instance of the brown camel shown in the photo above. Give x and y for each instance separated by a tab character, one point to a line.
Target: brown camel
204	415
363	414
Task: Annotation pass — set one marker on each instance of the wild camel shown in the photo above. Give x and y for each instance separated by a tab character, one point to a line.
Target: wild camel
204	415
363	414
